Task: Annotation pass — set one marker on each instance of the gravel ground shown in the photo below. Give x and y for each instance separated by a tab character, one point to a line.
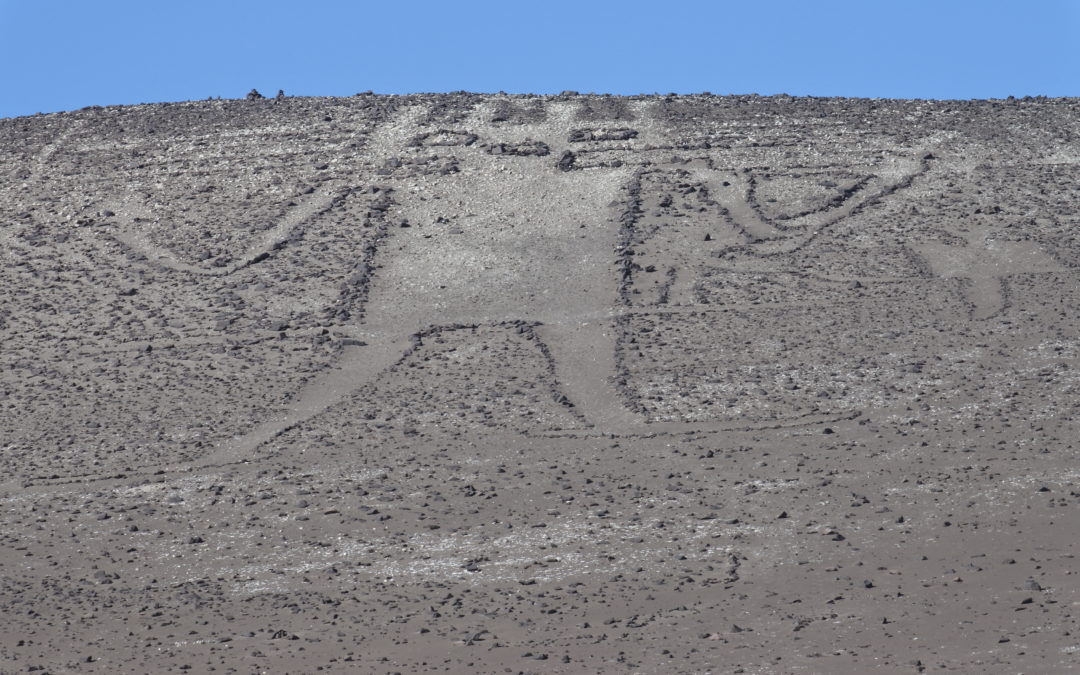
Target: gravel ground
541	384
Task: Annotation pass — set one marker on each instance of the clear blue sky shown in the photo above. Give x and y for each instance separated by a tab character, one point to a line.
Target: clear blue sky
61	55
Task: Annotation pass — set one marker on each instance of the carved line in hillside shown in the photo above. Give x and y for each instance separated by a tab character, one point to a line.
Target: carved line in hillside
633	213
354	291
671	291
826	219
589	373
702	303
651	429
164	472
354	365
728	191
644	154
44	157
39	167
836	202
313	206
357	366
984	265
553	347
359	369
584	366
552	367
988	295
589	392
336	385
628	219
678	284
379	353
734	199
249	338
322	392
592	387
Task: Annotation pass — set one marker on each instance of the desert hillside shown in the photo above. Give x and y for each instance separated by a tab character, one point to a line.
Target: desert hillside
541	384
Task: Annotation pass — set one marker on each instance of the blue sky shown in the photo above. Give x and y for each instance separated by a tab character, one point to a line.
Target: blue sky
61	55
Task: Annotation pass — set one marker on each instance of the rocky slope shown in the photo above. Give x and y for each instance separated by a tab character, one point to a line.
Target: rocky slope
560	384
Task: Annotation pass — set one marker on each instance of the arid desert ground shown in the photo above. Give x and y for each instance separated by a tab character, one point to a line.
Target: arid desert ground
541	384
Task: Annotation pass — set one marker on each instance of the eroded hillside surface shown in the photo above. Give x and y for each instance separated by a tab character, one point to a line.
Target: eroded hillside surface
564	384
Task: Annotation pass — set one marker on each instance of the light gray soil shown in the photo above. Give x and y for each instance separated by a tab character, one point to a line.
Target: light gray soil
517	384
